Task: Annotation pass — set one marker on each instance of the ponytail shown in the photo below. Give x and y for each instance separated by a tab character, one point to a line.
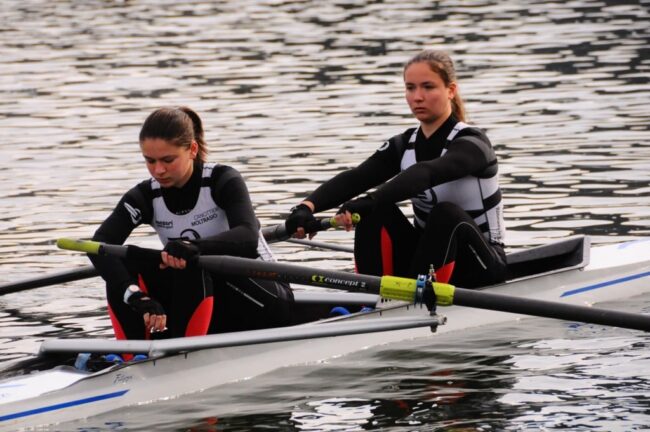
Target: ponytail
198	132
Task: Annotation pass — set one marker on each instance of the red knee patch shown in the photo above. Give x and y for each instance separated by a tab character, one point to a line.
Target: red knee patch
117	327
443	274
200	321
386	252
143	286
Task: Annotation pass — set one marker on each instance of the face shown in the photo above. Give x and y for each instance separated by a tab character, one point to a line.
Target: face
170	165
427	95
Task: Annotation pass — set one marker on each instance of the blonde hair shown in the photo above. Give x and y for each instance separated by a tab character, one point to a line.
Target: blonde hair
441	64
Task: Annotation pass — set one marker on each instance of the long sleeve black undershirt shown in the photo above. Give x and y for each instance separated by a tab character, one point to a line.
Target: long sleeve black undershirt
350	183
467	155
229	192
462	159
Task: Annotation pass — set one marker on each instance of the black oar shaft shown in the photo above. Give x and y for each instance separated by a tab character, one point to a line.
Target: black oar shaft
550	309
271	234
393	287
279	232
51	279
291	273
460	296
322	245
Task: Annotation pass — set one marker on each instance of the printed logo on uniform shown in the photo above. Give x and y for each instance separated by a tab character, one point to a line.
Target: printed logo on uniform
187	234
206	216
384	146
164	224
134	213
190	234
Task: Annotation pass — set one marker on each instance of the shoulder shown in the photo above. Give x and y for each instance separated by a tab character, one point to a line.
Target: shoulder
226	182
140	193
395	146
474	139
472	134
221	174
139	201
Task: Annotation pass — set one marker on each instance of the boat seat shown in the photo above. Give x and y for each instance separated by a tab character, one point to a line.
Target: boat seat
572	252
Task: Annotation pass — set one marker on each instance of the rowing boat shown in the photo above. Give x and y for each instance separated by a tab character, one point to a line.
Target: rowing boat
568	272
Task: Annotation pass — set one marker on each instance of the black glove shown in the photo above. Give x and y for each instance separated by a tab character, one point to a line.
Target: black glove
183	249
362	206
142	303
301	216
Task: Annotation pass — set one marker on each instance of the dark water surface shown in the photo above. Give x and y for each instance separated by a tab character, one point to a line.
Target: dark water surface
292	92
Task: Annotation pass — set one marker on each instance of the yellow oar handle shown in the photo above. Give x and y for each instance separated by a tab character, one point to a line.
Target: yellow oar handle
279	232
87	246
399	288
356	218
99	248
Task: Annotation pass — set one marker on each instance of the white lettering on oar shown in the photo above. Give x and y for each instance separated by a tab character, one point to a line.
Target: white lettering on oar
335	281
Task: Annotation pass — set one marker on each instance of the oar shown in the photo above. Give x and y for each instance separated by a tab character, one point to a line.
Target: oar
271	234
406	289
50	279
321	245
279	232
390	287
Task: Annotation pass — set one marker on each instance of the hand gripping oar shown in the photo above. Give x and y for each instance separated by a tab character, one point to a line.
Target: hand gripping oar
279	232
271	234
392	287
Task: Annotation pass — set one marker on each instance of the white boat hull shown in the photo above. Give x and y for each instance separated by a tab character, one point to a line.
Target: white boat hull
615	272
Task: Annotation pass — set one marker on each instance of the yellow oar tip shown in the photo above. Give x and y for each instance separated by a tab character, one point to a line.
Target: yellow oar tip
78	245
64	243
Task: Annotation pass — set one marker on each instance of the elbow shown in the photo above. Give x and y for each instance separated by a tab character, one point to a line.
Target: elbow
250	242
250	251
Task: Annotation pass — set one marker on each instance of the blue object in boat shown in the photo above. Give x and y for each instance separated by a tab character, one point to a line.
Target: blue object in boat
114	358
339	310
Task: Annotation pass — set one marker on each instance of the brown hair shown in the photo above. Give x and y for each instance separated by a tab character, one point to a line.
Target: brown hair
441	64
180	126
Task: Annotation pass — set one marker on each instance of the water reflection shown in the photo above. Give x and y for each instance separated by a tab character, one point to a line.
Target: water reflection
568	383
292	92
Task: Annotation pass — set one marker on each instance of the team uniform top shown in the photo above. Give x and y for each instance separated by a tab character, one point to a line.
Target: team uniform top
213	206
455	164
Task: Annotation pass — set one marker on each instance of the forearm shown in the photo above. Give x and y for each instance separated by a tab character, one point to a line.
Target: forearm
464	160
349	184
239	241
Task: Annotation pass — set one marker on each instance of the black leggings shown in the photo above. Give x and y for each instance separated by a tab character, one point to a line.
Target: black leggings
247	304
185	295
387	243
197	302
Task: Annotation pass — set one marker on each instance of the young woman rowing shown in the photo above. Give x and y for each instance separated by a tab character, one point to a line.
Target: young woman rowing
447	169
195	208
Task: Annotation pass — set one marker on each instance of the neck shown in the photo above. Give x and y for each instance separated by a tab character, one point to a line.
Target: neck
187	176
430	127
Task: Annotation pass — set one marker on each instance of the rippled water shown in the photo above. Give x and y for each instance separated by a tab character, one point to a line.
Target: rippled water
294	91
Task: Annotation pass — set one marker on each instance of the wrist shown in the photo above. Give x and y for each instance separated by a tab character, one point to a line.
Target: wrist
130	290
303	207
309	204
